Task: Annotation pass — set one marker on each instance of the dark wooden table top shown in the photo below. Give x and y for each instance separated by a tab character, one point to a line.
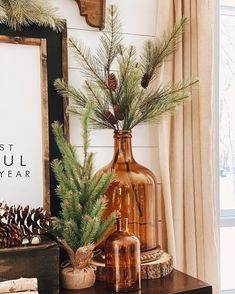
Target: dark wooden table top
176	282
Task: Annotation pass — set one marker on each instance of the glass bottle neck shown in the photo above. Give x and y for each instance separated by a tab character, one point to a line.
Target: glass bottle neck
122	146
122	224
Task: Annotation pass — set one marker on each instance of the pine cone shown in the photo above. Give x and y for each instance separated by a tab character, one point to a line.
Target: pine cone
112	82
3	212
118	113
110	117
10	235
145	81
30	221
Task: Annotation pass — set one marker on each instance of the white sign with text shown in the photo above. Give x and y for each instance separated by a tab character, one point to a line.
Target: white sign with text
21	150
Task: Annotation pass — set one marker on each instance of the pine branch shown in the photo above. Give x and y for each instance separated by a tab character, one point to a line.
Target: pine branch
98	120
101	185
126	62
71	237
3	14
110	41
69	91
86	231
85	135
24	13
88	165
123	100
57	227
104	227
91	185
72	165
155	53
163	101
90	66
81	192
94	95
58	170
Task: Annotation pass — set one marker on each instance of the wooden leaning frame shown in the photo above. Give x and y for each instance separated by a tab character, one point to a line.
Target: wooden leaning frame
53	106
44	104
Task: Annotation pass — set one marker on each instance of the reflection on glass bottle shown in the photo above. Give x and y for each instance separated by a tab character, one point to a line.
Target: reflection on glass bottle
133	193
122	258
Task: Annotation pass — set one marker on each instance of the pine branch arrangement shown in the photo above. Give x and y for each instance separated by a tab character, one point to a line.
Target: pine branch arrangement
19	13
81	192
127	98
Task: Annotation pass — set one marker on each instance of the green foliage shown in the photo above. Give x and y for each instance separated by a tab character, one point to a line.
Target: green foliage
3	15
156	52
129	97
19	13
81	192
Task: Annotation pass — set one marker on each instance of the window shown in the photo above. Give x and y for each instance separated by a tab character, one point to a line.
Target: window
227	144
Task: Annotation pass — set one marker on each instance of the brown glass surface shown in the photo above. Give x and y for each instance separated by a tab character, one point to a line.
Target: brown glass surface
133	193
122	258
176	282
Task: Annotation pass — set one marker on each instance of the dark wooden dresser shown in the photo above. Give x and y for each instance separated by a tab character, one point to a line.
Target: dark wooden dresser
176	282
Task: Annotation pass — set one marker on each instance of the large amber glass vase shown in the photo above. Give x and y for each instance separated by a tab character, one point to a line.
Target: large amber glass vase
133	193
122	259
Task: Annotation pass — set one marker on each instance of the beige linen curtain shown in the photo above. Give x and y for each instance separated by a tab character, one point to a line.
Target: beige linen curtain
186	145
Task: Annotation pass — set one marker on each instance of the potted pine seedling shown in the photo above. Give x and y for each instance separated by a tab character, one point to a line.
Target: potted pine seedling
80	226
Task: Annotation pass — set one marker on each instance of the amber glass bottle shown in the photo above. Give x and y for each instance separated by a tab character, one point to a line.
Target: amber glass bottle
122	259
133	193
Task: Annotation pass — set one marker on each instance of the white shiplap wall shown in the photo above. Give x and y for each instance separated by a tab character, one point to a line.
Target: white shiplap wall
139	23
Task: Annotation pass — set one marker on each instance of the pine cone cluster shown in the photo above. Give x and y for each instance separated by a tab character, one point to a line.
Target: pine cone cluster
10	235
17	222
31	221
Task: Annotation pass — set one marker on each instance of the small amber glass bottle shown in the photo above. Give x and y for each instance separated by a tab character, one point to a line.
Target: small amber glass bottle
122	258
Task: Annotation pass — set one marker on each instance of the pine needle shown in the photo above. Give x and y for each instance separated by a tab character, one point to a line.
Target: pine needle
155	52
19	13
3	15
110	40
89	64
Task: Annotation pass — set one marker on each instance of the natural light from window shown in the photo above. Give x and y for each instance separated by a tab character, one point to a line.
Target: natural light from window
227	144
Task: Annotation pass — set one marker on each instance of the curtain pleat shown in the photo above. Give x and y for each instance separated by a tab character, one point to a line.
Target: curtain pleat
186	145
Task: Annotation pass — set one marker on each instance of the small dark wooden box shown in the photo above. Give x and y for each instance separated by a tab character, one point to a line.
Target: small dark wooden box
41	262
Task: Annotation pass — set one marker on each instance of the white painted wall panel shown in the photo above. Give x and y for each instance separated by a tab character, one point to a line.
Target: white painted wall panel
138	16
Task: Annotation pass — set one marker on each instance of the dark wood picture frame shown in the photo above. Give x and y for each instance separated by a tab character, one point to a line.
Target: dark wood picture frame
57	67
44	106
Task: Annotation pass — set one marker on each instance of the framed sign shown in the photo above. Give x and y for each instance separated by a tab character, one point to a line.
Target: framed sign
30	61
24	159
